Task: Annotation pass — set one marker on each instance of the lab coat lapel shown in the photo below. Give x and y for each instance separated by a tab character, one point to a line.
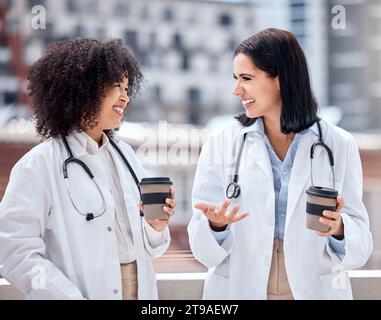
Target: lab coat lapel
261	157
123	171
300	173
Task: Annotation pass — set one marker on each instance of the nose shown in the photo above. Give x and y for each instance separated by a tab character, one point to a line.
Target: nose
125	98
237	89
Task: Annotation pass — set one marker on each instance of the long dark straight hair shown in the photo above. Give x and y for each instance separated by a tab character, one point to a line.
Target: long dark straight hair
278	53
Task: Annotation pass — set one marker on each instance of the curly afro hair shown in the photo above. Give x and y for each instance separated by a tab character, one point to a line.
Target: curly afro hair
69	82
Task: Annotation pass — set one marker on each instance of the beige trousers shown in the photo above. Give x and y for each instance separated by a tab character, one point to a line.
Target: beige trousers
278	287
129	281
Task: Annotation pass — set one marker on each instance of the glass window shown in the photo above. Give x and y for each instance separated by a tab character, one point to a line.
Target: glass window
157	94
72	6
225	20
33	3
121	9
10	97
177	41
185	63
145	14
131	38
168	14
194	99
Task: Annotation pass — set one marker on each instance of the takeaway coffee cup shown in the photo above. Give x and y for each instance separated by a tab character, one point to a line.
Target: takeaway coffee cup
154	192
318	200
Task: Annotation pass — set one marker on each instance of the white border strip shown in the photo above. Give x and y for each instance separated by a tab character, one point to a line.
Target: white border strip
202	275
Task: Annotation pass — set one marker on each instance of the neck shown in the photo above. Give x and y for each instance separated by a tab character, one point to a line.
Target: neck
273	131
96	135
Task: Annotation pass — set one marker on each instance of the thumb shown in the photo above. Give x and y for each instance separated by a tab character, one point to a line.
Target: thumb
340	203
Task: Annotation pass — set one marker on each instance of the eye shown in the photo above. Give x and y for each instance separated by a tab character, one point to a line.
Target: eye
235	77
116	84
246	78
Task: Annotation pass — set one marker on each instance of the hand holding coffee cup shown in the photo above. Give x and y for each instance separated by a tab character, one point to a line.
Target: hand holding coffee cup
157	201
323	211
334	221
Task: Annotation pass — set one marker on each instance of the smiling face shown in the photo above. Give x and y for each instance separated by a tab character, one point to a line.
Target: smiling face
113	106
259	93
112	109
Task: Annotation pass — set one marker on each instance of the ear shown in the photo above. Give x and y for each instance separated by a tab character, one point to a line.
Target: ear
277	82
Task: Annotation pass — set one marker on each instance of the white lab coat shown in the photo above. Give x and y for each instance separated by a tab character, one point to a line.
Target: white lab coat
239	267
45	243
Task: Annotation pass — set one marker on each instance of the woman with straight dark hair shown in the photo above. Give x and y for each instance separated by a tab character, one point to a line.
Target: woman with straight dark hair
296	179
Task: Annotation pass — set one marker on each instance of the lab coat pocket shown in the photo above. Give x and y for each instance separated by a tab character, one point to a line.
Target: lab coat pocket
336	286
216	287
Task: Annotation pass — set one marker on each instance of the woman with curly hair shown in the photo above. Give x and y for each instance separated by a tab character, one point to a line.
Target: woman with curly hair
70	226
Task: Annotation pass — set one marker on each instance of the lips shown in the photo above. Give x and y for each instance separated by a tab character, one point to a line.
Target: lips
119	109
247	101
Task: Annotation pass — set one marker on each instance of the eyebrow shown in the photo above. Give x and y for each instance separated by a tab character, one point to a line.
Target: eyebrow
244	75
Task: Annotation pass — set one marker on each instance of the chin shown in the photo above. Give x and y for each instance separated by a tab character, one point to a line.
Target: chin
252	114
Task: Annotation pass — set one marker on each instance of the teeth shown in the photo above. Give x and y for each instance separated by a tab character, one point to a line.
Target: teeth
118	109
248	101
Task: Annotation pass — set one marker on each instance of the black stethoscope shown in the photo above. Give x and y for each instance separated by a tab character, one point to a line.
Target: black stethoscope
71	159
233	190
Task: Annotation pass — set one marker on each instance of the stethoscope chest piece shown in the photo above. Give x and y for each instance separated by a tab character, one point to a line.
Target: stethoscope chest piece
89	216
233	190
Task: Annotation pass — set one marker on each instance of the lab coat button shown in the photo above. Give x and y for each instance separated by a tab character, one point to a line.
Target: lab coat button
115	291
267	260
109	229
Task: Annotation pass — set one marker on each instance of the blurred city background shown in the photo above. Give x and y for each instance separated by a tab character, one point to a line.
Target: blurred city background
186	49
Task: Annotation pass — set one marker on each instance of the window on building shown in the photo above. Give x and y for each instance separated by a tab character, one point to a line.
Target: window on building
33	3
131	38
298	4
168	15
143	57
298	11
232	44
5	68
225	20
213	63
157	94
185	61
92	7
72	6
80	31
144	13
101	33
10	97
152	41
121	9
194	99
177	41
46	34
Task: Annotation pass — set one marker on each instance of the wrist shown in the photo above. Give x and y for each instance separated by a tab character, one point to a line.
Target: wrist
216	227
339	234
